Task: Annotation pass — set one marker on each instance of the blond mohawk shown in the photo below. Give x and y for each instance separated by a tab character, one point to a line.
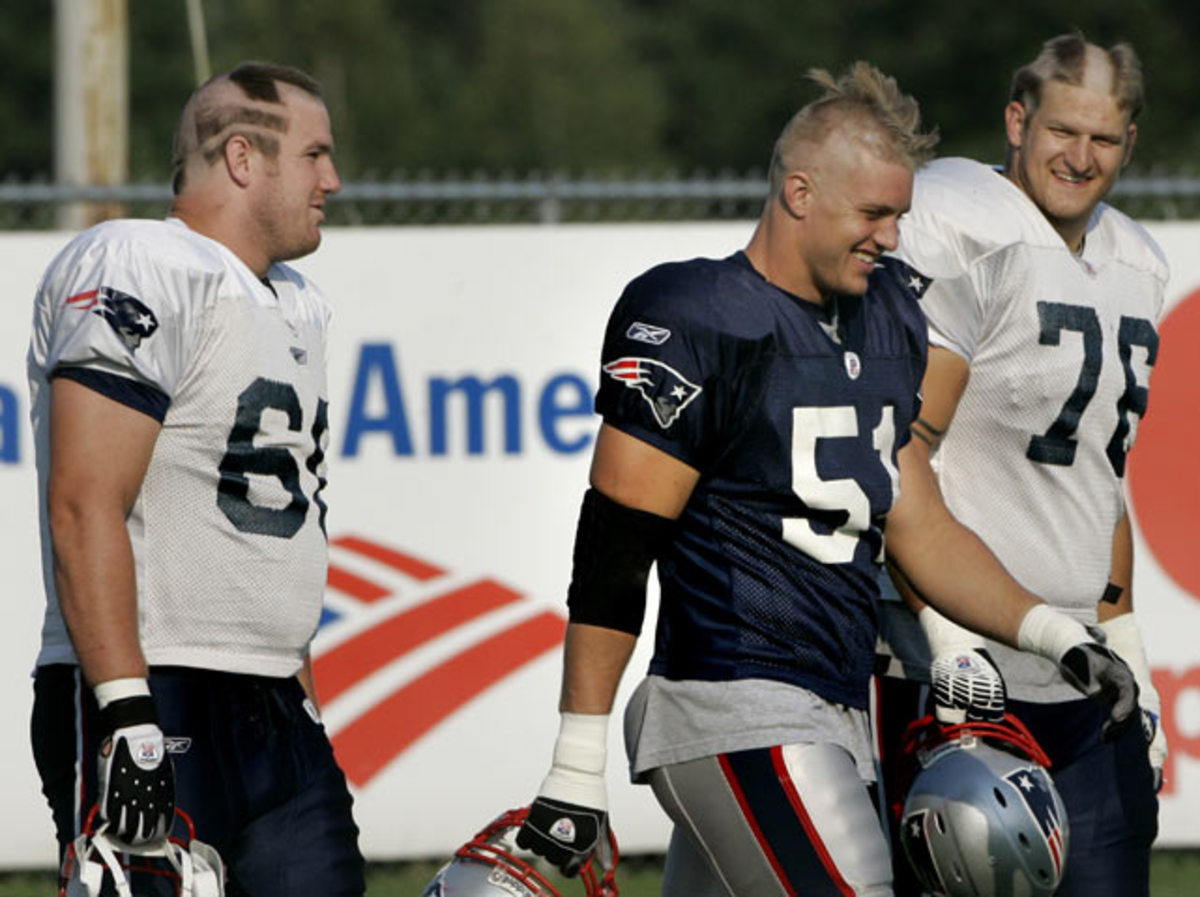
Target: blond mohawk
887	119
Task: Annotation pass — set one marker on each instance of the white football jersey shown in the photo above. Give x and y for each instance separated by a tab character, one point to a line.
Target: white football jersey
1061	348
227	531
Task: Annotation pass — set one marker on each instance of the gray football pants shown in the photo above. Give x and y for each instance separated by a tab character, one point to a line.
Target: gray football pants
772	821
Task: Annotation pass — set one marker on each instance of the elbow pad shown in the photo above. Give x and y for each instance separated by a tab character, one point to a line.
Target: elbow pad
614	548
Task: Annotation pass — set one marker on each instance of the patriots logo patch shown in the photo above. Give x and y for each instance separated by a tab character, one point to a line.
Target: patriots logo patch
648	333
665	390
1033	784
129	318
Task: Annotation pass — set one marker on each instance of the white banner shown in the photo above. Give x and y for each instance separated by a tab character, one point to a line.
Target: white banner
463	363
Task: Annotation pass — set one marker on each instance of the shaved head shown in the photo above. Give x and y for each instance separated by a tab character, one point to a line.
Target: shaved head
246	102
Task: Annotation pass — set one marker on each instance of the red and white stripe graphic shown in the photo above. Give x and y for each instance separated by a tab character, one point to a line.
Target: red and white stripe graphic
412	644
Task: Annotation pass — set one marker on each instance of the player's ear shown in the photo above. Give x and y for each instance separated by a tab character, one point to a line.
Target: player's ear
237	154
1130	139
1015	116
796	193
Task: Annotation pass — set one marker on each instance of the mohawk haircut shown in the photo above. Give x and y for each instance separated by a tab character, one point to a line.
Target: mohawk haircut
1065	59
214	114
869	102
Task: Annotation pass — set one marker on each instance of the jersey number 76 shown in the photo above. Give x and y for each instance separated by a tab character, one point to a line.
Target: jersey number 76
1057	445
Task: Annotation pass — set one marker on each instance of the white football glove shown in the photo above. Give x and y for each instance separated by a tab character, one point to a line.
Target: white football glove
966	682
1124	637
568	821
135	779
1084	662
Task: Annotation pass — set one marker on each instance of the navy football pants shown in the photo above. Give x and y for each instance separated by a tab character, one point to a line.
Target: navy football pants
1107	788
253	769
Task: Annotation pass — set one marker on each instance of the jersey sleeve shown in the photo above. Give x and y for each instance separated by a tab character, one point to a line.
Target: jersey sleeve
672	373
904	287
952	304
118	316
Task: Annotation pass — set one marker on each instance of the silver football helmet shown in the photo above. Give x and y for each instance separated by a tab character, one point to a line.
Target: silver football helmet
194	868
982	817
488	866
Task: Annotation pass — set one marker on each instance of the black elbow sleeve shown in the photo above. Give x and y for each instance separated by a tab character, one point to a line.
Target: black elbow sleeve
614	548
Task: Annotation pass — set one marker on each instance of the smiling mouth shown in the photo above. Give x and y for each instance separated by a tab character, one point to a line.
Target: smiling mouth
867	258
1068	178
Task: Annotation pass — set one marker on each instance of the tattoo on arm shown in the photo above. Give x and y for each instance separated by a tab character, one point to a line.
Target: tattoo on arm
926	432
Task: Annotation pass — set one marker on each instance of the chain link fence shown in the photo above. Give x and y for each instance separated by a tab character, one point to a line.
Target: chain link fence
545	199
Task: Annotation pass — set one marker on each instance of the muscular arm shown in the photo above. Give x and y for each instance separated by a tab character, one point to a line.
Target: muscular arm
946	562
955	572
638	475
99	452
628	476
946	376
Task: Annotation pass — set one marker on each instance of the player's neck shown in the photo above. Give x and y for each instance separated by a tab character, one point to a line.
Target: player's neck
1073	233
230	230
773	253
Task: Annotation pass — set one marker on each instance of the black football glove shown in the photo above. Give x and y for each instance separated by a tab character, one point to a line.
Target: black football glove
135	776
1099	673
967	686
565	834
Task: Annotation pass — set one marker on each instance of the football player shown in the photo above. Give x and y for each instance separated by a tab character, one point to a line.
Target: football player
1042	321
177	376
756	445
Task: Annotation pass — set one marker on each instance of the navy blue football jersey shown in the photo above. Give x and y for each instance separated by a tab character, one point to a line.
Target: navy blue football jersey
793	413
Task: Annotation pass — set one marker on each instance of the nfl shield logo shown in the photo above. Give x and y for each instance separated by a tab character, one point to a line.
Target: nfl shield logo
563	830
853	365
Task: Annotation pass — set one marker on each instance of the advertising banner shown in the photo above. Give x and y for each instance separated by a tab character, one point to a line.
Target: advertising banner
462	367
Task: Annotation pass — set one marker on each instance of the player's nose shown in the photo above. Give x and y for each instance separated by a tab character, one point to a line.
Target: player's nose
1078	155
887	234
330	181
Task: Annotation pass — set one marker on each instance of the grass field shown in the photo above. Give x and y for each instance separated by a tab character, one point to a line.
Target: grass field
1175	873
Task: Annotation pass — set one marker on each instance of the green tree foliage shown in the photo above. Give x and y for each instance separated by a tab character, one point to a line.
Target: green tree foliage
597	85
556	85
27	97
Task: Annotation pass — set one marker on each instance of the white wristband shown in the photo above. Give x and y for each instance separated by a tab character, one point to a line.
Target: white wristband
582	743
580	755
944	635
1049	633
116	689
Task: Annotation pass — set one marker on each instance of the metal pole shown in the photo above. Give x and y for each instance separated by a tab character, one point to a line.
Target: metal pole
199	35
91	93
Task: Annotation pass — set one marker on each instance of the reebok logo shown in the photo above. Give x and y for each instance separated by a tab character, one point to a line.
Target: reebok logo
648	333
